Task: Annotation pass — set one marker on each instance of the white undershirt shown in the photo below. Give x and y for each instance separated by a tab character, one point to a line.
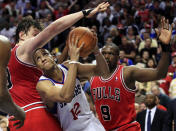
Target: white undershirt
153	110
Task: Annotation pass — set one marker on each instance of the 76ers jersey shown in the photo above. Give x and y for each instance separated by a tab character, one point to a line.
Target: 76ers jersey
76	115
114	101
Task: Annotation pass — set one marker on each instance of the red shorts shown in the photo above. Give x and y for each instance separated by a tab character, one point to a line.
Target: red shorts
134	126
38	120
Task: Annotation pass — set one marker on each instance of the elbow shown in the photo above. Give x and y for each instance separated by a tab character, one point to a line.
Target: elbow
67	98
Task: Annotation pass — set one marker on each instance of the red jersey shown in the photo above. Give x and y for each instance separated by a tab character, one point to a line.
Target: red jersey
114	101
24	78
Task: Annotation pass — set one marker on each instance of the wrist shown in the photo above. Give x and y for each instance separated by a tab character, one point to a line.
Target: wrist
86	12
96	53
166	48
73	62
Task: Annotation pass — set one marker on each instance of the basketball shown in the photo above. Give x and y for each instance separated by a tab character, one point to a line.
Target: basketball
86	36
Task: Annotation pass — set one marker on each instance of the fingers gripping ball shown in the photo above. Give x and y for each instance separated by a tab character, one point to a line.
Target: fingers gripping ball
86	36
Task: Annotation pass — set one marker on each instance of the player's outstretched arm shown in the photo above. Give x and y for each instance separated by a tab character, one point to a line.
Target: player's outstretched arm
6	102
143	75
59	26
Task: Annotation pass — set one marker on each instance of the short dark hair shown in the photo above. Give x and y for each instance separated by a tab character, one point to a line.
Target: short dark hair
25	25
114	46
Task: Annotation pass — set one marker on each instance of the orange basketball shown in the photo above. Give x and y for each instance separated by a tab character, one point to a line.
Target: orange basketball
86	36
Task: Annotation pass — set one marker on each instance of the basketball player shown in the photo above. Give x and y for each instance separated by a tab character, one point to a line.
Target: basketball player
6	103
114	96
24	75
60	84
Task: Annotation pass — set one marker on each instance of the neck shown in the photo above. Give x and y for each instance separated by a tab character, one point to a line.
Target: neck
112	69
54	73
19	43
151	107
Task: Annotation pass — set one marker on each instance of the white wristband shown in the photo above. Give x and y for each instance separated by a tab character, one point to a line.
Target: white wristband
97	54
73	62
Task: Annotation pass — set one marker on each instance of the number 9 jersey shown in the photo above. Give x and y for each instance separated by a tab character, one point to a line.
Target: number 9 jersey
114	101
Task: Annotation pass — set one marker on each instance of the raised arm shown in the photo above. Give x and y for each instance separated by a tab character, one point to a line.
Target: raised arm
6	102
89	70
144	75
57	27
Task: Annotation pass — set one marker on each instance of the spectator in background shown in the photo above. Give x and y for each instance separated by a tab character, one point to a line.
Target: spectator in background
43	10
123	59
164	99
29	10
136	107
153	42
165	83
129	48
148	46
130	35
115	35
145	55
139	97
152	119
172	116
172	89
151	63
172	67
4	122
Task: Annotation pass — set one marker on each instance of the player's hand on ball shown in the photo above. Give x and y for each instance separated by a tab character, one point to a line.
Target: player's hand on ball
74	50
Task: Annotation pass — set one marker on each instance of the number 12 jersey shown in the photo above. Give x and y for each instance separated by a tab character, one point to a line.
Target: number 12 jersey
76	115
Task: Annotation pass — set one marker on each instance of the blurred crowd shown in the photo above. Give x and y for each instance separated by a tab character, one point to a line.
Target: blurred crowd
130	24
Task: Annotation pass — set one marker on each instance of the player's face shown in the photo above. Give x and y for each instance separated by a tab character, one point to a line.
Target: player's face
44	60
30	34
110	56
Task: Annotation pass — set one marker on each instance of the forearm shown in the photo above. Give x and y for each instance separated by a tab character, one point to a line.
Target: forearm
63	55
6	102
163	65
101	65
67	91
52	30
66	21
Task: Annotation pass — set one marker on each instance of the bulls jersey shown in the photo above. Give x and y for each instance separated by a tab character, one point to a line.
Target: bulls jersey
24	78
114	101
76	115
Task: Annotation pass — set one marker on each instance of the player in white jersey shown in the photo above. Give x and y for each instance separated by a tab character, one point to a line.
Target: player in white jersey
60	84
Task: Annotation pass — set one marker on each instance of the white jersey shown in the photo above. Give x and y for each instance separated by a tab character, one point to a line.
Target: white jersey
76	115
